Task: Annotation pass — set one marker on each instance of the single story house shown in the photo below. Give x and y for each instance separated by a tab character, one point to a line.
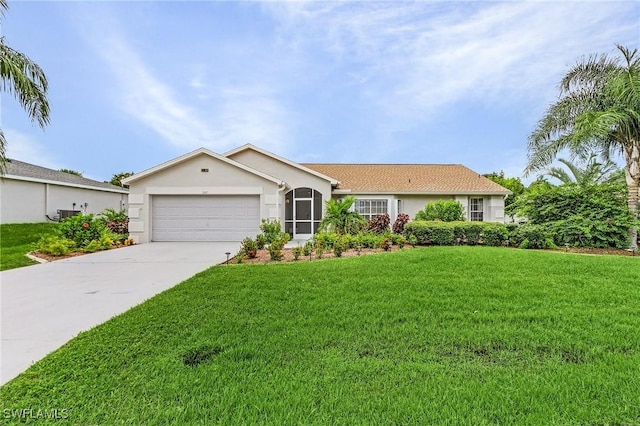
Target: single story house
30	193
204	196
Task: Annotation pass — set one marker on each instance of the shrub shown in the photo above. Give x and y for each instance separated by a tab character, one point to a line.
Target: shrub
307	249
338	248
104	243
472	232
81	229
368	240
386	244
249	247
398	225
579	215
448	233
55	246
271	231
326	239
494	235
116	221
297	252
530	236
443	210
276	246
379	224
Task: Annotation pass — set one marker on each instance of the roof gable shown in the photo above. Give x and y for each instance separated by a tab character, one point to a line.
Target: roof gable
301	167
192	154
20	170
409	178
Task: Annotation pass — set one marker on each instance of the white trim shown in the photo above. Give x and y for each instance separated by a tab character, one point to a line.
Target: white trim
59	183
281	159
204	190
384	194
193	154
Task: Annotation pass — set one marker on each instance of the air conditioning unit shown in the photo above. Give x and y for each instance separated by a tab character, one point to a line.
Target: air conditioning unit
63	214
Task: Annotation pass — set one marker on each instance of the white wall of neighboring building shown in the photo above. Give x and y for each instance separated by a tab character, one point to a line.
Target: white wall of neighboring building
25	201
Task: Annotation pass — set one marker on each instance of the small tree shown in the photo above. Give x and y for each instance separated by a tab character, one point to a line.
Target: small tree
340	218
444	210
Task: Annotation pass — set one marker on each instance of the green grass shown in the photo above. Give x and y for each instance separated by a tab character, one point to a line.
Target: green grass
442	335
16	240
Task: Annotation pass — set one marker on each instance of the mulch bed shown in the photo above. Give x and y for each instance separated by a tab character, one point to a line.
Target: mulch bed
287	255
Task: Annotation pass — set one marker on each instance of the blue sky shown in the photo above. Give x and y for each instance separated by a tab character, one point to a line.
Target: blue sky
133	84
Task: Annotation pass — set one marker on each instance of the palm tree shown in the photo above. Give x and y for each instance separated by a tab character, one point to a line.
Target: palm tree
25	80
592	173
340	218
598	111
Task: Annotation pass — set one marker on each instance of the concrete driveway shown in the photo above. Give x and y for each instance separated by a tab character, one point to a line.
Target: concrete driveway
46	305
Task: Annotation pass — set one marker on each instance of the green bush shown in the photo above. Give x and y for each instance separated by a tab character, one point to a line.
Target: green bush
276	246
81	229
297	252
529	236
271	231
587	216
443	210
430	232
449	233
472	232
494	234
249	247
307	249
55	245
326	240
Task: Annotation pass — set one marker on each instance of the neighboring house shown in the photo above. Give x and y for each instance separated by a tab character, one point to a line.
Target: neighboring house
204	196
30	193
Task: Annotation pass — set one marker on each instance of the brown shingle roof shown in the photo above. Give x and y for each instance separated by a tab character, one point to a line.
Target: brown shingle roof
409	178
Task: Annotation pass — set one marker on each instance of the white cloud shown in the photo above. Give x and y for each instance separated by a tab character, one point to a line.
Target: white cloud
215	117
421	56
22	147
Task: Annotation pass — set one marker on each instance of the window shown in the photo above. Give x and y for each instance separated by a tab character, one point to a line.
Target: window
370	208
476	209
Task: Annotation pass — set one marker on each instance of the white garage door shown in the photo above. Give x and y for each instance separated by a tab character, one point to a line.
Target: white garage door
205	217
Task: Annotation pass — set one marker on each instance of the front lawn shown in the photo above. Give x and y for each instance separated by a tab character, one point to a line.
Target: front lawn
17	239
439	335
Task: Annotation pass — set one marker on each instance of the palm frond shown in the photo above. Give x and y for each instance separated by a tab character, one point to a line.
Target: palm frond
25	80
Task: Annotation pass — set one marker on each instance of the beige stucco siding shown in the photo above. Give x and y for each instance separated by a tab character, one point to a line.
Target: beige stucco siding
188	178
493	205
292	176
23	201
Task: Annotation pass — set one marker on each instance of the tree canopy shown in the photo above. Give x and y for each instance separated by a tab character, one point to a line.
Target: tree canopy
598	111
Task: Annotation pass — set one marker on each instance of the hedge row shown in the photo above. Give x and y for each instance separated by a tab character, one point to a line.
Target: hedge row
473	233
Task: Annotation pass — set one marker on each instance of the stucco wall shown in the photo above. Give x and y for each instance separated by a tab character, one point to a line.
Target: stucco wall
293	177
30	202
187	177
493	205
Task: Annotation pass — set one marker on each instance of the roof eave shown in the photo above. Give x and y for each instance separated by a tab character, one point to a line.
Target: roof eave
192	154
69	184
283	160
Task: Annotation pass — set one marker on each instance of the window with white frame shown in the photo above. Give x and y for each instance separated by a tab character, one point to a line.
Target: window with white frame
369	208
476	209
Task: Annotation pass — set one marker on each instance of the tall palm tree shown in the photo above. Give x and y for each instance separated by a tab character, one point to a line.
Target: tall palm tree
593	171
598	111
24	79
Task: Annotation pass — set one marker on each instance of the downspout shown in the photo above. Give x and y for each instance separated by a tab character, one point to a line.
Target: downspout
282	187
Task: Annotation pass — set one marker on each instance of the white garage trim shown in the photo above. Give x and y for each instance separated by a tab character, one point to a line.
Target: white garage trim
206	190
204	217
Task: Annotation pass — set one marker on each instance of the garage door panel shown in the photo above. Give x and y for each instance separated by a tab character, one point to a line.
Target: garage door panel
205	218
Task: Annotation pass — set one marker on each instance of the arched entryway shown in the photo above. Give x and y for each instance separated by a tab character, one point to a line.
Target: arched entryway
302	212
